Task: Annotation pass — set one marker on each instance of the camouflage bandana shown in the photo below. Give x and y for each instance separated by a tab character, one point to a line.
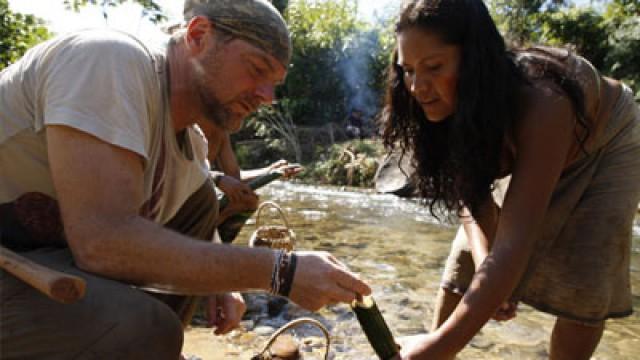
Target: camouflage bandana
255	21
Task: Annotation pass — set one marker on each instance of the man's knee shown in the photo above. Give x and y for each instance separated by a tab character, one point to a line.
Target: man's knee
153	331
150	330
112	321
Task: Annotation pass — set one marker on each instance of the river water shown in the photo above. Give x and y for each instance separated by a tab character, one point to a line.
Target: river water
400	250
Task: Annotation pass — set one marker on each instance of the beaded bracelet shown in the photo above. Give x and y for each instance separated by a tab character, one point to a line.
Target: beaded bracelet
283	273
275	273
286	276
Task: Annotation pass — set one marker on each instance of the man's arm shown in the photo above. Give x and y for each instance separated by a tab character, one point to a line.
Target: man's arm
99	187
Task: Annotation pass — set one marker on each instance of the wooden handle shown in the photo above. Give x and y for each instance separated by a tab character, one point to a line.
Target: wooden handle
58	286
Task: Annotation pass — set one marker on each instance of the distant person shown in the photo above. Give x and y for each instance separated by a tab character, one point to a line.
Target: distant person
354	127
103	175
472	112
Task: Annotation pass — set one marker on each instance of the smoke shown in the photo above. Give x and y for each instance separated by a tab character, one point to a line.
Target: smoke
356	70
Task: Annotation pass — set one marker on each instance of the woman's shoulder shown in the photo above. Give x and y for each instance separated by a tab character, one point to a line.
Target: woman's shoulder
541	62
543	103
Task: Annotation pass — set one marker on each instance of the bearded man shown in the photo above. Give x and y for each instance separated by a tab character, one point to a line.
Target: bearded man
104	176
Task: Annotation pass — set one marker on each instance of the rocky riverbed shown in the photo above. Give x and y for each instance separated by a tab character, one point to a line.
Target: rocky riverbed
397	246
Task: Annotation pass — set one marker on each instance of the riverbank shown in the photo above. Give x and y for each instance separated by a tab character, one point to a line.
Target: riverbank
200	343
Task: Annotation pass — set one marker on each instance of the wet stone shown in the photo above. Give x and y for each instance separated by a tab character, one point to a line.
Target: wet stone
276	305
263	330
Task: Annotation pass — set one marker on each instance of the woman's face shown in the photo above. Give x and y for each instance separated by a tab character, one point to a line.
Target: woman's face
430	71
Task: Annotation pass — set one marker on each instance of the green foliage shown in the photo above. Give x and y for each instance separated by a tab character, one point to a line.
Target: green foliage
516	18
353	164
623	59
318	29
152	10
382	58
281	5
18	32
275	125
581	27
608	35
254	154
338	61
619	10
326	36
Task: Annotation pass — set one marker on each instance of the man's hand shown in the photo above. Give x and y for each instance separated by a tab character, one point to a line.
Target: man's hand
224	312
238	193
320	279
241	198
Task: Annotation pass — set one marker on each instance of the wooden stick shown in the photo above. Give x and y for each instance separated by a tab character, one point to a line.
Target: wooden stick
58	286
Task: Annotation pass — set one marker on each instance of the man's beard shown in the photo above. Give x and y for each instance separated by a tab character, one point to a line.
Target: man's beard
211	107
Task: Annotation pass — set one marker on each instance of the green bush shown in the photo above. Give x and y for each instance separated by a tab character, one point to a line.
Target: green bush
351	163
18	33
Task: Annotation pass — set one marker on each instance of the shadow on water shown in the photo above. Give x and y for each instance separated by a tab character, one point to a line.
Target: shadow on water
400	249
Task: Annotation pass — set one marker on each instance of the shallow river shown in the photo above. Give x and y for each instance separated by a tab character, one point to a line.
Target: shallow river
399	248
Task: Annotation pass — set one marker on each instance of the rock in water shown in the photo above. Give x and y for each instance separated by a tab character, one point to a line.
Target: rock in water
285	348
394	175
275	306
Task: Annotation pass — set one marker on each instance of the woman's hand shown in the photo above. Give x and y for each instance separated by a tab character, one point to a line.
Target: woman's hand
427	346
506	311
236	190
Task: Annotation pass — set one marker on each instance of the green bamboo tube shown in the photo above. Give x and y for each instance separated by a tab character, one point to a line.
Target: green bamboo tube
375	328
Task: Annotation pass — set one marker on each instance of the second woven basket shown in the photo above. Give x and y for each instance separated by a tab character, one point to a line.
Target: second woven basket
273	236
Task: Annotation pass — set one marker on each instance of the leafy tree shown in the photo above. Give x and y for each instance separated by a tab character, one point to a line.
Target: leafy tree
622	19
319	30
516	18
277	127
338	63
152	10
607	34
18	32
581	27
281	5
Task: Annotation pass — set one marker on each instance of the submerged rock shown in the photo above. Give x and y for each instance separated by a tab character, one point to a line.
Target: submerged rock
394	175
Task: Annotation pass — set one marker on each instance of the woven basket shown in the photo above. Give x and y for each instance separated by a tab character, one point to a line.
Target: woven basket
273	236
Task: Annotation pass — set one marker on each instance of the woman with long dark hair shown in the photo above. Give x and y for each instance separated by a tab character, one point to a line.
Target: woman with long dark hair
566	141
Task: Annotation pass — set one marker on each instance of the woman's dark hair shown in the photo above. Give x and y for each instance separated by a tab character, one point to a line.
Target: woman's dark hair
457	160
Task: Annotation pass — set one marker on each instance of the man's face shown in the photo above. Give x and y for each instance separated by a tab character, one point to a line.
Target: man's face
233	78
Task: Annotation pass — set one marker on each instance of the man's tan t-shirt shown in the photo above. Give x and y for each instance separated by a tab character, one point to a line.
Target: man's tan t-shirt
107	84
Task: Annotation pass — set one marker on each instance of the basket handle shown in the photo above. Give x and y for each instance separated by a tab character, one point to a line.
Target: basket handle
273	205
293	324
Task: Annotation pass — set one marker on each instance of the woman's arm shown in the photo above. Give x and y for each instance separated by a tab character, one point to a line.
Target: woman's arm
480	230
543	139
